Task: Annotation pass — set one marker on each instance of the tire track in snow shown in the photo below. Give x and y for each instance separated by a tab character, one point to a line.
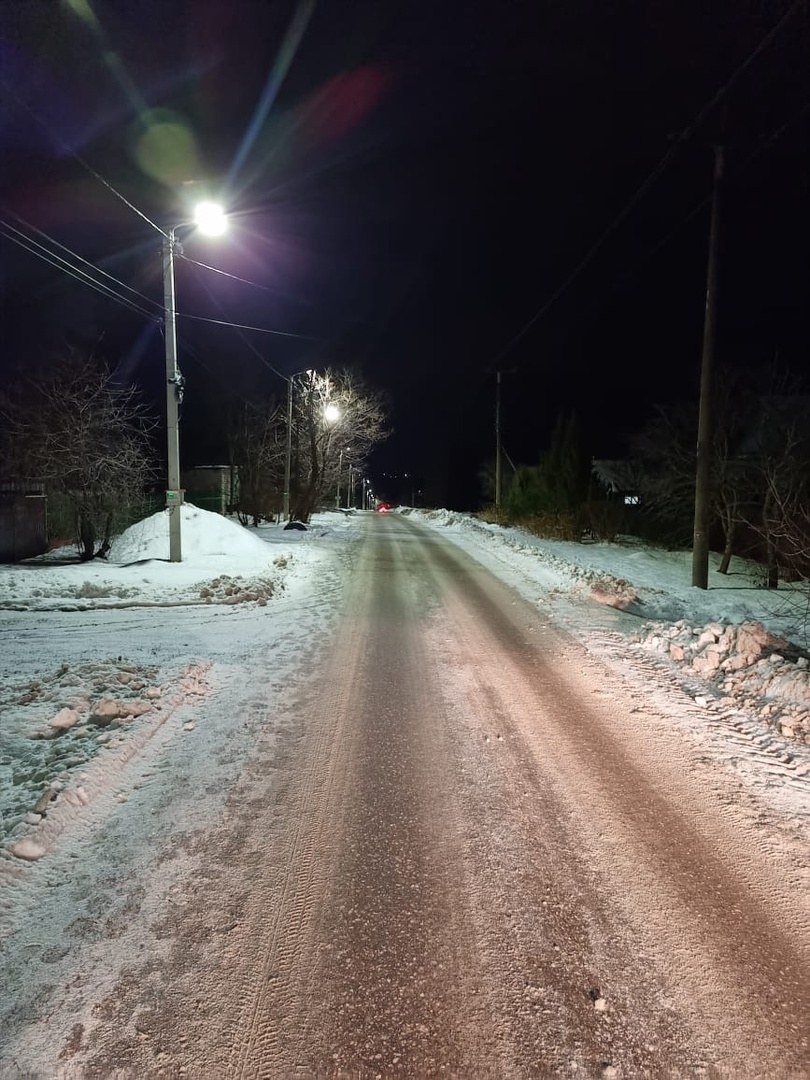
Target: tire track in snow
701	871
269	1022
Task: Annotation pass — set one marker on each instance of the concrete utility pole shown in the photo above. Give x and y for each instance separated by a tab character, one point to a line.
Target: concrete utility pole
210	219
174	387
703	474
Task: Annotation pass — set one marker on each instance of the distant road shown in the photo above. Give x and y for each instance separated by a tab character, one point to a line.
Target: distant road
476	853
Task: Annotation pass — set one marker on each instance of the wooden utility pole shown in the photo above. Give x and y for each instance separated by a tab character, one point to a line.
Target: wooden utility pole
705	436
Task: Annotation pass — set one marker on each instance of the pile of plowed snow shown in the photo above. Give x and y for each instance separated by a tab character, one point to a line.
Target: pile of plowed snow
203	533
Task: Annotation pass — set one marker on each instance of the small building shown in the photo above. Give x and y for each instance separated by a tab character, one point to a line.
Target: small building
23	519
212	487
621	479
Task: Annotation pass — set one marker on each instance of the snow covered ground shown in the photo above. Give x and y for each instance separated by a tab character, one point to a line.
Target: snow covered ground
136	679
728	665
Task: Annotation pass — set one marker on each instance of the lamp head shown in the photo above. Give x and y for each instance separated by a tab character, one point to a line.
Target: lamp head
210	218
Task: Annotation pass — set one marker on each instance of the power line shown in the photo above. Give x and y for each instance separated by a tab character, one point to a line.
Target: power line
242	326
218	303
77	157
215	300
224	273
83	277
79	258
739	170
65	267
682	138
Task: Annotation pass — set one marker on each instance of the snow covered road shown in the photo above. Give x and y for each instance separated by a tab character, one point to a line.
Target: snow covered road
423	831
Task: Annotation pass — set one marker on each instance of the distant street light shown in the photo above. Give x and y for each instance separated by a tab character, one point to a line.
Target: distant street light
209	219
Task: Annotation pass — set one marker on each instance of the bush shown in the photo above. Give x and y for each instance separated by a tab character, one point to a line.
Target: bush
62	525
552	526
526	494
604	519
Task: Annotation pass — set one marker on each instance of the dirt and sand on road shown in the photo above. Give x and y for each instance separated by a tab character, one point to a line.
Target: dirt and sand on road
477	851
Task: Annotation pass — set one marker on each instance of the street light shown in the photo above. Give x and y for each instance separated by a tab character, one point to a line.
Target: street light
209	219
331	414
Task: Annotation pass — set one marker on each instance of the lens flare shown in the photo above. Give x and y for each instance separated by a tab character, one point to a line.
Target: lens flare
165	147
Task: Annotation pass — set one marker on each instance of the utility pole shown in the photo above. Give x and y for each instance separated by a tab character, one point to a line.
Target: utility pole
498	472
285	505
210	219
705	436
174	390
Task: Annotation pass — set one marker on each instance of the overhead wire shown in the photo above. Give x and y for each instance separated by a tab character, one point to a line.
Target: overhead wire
225	273
768	141
683	137
79	258
263	359
61	264
79	275
84	277
243	326
77	157
195	354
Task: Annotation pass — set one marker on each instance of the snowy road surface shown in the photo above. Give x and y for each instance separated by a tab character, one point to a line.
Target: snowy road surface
471	849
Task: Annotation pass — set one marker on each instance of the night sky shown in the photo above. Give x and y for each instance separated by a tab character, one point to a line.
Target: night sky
410	184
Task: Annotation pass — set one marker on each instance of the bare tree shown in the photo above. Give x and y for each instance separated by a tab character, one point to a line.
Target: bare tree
86	437
782	465
337	421
664	452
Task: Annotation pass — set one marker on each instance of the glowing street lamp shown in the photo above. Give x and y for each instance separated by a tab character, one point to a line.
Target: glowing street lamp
210	219
331	413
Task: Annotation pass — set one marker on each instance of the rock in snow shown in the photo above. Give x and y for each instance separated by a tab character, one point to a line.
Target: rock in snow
64	719
746	662
28	850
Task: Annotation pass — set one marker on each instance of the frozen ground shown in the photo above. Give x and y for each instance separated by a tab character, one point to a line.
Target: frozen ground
729	665
136	679
104	663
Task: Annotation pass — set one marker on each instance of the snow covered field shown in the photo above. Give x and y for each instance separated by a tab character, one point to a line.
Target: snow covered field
132	691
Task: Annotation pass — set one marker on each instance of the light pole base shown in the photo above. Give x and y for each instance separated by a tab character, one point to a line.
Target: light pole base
174	504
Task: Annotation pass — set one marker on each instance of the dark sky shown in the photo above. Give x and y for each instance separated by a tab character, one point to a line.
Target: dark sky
412	183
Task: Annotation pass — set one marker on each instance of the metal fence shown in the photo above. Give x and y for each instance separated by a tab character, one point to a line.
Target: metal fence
23	522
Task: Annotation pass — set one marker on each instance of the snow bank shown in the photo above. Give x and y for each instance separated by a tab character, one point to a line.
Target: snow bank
744	665
61	762
222	563
203	533
734	637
